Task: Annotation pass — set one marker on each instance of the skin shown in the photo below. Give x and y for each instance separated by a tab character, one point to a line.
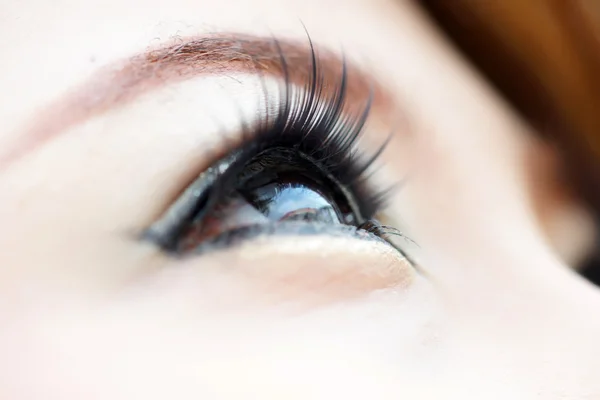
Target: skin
89	311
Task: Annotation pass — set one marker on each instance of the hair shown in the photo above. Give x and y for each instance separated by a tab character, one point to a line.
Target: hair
544	57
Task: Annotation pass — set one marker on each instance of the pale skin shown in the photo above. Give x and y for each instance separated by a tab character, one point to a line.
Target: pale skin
492	310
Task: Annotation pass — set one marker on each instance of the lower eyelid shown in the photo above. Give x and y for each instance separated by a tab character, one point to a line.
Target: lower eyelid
283	229
315	268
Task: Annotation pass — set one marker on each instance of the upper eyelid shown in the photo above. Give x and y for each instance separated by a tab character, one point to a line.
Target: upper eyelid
316	109
123	82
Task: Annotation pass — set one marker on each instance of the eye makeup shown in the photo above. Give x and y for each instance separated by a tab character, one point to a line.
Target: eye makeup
299	169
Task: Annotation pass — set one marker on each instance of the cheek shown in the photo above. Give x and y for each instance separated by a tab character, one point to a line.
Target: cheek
162	340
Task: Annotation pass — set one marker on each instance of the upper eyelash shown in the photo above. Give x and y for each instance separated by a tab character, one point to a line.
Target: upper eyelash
325	119
308	120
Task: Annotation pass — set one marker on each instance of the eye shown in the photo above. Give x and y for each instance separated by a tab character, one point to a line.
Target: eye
277	185
297	171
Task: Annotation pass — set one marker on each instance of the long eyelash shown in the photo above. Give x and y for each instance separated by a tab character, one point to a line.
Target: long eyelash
315	120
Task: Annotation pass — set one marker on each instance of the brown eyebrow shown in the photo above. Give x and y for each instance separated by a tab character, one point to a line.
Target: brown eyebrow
190	57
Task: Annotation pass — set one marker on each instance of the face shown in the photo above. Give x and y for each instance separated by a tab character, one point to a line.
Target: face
277	200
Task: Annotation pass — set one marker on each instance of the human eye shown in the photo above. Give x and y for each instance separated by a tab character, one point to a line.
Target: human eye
299	169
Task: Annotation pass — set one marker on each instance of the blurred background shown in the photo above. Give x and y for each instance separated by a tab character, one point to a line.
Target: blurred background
544	57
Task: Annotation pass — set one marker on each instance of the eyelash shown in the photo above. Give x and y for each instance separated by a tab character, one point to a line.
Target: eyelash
307	121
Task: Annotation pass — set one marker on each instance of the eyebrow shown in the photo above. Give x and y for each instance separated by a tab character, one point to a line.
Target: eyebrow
215	54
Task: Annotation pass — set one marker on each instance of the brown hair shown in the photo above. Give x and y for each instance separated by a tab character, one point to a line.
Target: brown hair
544	57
